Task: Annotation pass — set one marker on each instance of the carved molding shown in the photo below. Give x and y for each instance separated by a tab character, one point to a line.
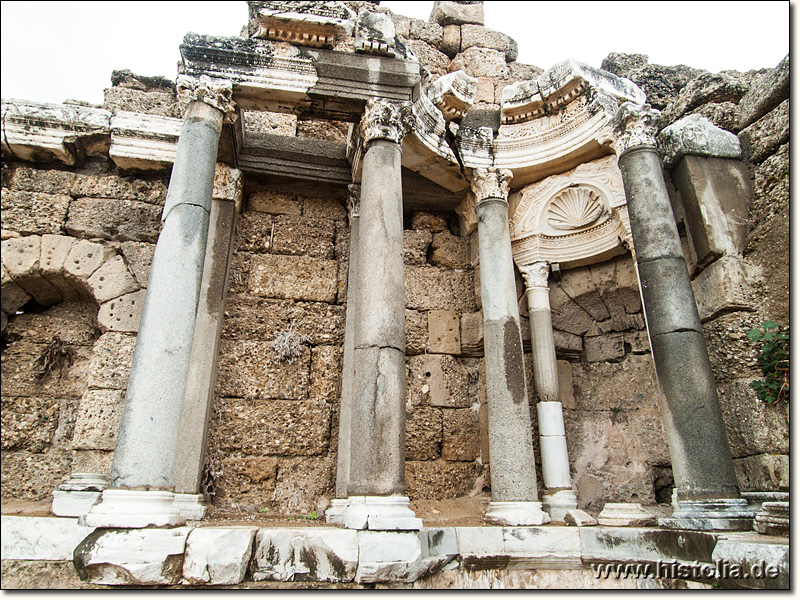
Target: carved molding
453	94
635	125
217	93
386	120
143	142
535	274
375	33
694	134
575	208
315	24
491	184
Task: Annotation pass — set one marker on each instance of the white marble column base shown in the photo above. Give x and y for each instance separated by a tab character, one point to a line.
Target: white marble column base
134	509
335	512
190	506
557	504
380	513
725	514
516	513
77	495
625	514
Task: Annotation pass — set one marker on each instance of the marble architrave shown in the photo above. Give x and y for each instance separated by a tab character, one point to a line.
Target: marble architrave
143	142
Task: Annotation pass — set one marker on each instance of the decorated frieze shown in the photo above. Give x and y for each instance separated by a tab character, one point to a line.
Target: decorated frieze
315	24
696	135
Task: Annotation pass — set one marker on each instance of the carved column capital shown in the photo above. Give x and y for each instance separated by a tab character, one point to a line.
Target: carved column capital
491	183
635	125
386	120
217	93
535	274
354	200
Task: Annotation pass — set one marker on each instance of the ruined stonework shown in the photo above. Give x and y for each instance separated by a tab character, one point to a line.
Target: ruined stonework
84	191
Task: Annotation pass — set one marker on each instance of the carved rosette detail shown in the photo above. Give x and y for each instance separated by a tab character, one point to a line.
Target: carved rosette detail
354	200
491	183
217	93
574	208
635	125
536	274
386	120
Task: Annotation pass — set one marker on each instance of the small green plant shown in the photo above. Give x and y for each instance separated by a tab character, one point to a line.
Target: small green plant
263	509
773	358
312	516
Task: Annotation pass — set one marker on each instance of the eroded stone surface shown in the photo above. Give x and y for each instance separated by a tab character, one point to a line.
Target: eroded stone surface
218	556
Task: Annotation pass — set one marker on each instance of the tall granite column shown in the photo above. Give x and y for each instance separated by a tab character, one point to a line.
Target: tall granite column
142	474
376	485
514	488
335	514
706	494
559	496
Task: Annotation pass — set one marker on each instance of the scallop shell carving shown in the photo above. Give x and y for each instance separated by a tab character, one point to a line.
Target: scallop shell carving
574	208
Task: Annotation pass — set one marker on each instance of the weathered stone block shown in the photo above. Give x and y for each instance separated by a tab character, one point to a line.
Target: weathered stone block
426	31
303	236
604	347
274	202
218	556
319	129
20	256
449	251
451	41
416	332
444	336
13	296
771	187
415	246
137	188
83	260
34	476
29	423
304	484
433	60
566	393
253	369
305	554
270	122
472	334
439	480
639	341
46	181
457	13
769	90
123	313
324	208
21	365
293	277
438	380
753	427
139	256
326	372
566	315
117	220
766	135
460	435
423	433
762	472
705	89
722	287
72	322
428	221
247	480
481	62
568	345
254	232
160	103
97	424
429	288
55	249
112	280
578	284
111	361
33	212
481	37
732	354
22	538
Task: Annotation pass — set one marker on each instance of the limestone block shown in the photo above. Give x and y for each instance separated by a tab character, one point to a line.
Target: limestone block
293	277
566	315
472	334
13	296
601	348
269	122
389	556
277	427
457	13
275	203
723	114
762	472
117	220
149	102
579	518
416	332
330	555
144	142
20	366
415	246
84	259
578	284
73	322
451	40
439	480
40	538
326	372
568	345
697	136
706	88
543	547
766	135
151	189
766	92
33	212
21	256
444	336
485	91
722	287
250	368
30	423
426	31
218	556
438	380
423	433
429	288
112	280
481	62
771	187
480	541
249	479
97	424
325	208
732	354
753	427
32	476
481	37
123	313
601	544
435	61
111	361
132	557
254	232
73	504
55	249
304	483
139	256
450	251
566	392
773	519
638	341
47	181
461	440
428	221
303	236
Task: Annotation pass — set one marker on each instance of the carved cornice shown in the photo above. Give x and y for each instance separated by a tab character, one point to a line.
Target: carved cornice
143	142
696	135
635	125
491	184
535	274
354	200
386	120
315	24
453	94
217	93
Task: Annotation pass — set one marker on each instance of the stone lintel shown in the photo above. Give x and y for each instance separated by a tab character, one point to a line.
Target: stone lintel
301	158
695	135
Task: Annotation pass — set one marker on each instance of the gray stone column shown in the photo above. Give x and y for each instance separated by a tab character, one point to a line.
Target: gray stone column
376	484
142	474
335	513
514	488
706	494
559	496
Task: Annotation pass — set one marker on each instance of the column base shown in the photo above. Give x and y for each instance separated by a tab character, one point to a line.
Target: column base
558	503
335	512
78	494
380	513
516	513
190	506
773	519
725	514
625	514
134	509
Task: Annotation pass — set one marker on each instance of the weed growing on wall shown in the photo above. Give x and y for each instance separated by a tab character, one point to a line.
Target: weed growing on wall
288	345
773	359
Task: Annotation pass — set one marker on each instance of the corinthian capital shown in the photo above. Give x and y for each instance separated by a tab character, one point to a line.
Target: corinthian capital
217	93
535	274
354	200
635	125
386	120
491	183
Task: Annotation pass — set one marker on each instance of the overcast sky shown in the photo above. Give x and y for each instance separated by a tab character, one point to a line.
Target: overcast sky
52	51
